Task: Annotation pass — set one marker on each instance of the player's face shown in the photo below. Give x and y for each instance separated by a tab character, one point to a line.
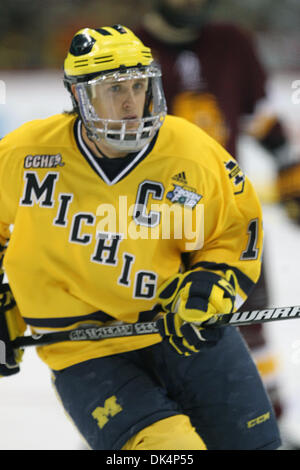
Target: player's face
120	100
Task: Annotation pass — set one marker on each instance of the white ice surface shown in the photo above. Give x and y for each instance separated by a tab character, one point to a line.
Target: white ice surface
31	418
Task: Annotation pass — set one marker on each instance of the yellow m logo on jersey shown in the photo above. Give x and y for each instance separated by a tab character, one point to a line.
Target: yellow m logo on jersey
111	408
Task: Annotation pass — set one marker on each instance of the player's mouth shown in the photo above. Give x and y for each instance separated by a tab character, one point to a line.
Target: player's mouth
131	116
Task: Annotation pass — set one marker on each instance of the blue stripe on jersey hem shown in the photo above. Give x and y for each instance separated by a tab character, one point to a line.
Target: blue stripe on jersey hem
145	316
68	321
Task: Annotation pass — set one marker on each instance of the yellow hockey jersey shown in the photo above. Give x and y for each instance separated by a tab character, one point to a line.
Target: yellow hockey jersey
86	248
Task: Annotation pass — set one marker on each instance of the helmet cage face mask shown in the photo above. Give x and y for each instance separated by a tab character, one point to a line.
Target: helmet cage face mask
99	104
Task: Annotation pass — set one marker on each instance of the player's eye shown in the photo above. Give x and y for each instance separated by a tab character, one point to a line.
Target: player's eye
140	85
115	88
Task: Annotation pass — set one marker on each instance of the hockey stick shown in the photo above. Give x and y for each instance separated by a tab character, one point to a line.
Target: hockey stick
95	333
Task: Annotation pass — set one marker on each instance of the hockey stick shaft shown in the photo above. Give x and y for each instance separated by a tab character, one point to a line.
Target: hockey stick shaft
90	333
95	333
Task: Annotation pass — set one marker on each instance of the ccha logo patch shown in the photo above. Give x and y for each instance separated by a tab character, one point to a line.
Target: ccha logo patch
43	161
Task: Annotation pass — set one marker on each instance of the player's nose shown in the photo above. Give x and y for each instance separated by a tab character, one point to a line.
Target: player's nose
129	99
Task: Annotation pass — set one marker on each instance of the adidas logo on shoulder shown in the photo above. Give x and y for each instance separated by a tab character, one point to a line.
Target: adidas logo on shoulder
180	178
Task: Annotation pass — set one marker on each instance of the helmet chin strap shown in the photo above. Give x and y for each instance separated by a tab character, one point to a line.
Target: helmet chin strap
94	141
100	151
89	135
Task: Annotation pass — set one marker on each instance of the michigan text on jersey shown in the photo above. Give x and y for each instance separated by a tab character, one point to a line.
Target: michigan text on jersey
158	221
181	218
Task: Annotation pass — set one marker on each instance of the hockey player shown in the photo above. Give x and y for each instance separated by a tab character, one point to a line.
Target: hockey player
90	195
213	77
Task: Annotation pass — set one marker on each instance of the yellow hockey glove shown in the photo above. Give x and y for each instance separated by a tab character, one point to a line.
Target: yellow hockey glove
11	326
191	299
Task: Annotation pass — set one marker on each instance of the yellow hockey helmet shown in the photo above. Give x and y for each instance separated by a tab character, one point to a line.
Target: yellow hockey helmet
93	51
115	87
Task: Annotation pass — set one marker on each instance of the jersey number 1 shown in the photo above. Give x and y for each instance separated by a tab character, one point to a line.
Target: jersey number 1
251	251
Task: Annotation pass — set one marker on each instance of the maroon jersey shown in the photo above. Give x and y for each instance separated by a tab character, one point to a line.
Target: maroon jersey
212	81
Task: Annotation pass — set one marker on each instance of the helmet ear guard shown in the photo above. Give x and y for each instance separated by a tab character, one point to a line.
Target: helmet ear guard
114	53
